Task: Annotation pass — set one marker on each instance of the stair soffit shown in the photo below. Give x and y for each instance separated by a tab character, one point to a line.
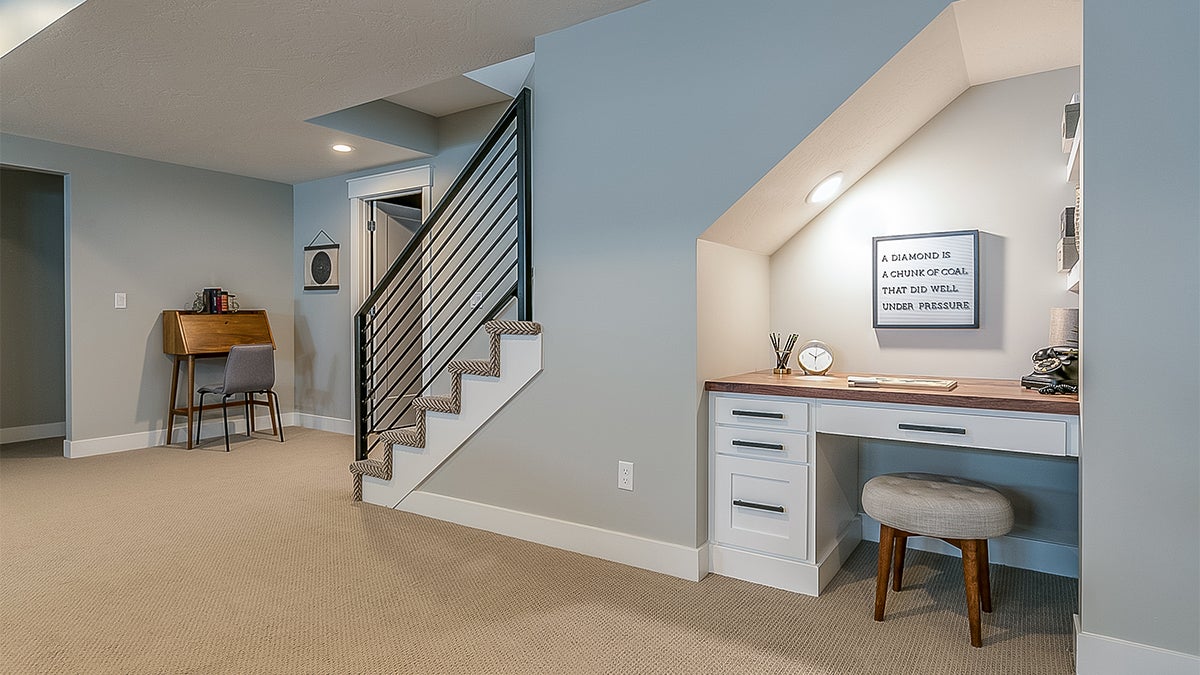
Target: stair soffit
971	42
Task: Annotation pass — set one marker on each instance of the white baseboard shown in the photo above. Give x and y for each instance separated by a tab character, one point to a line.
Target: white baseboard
1029	554
335	425
88	447
1103	655
33	432
657	556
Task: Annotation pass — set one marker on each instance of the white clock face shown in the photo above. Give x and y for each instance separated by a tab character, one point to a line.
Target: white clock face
815	359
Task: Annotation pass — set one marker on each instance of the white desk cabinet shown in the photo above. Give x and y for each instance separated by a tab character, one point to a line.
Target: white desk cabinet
769	485
783	461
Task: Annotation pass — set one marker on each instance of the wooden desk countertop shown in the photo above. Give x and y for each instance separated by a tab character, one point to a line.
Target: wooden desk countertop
970	392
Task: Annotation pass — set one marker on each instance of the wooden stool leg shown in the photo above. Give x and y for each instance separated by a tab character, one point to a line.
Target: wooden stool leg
886	543
985	587
970	562
898	563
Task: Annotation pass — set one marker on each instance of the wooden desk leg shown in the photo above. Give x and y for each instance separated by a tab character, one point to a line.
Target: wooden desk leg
171	398
191	398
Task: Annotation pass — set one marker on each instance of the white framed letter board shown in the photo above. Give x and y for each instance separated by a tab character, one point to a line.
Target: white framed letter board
926	280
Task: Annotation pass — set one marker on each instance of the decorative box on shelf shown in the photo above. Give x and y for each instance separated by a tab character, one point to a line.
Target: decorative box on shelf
1068	255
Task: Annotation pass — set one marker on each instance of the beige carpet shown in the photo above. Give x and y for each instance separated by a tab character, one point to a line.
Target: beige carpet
172	561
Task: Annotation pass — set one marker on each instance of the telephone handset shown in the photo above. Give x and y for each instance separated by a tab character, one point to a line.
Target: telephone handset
1055	371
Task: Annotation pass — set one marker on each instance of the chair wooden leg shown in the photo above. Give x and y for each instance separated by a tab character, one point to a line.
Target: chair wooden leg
898	559
271	411
985	586
278	412
886	544
970	562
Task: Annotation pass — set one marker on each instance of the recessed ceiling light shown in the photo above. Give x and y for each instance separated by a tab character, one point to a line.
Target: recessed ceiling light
342	147
826	189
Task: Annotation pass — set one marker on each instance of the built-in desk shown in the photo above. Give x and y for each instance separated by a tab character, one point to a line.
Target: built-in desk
784	460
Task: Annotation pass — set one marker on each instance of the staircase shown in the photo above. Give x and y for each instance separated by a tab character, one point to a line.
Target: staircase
466	273
479	388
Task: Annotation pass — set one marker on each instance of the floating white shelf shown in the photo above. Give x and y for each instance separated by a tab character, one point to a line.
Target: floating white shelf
1075	158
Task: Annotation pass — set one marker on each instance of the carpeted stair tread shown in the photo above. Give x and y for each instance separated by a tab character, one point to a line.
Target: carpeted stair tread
513	327
442	404
483	367
408	436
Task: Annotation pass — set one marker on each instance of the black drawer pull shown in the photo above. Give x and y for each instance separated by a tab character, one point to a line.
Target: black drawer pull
774	508
778	447
933	429
757	413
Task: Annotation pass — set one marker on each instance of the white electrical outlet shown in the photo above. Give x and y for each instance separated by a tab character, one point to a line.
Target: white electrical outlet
476	298
119	301
625	475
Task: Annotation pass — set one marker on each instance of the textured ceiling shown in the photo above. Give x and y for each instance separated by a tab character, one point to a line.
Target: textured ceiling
972	42
227	84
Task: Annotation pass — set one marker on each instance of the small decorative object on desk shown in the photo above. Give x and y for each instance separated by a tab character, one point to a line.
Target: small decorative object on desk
214	301
901	383
783	352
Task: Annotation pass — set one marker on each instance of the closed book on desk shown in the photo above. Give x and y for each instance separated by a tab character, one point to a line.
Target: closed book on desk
187	333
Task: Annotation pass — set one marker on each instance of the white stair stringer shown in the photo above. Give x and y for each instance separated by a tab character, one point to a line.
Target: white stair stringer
481	397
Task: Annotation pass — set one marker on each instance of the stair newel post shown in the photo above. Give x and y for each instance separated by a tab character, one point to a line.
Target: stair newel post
524	210
362	386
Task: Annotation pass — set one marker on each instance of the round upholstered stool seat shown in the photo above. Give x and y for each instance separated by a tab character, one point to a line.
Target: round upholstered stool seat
963	513
937	506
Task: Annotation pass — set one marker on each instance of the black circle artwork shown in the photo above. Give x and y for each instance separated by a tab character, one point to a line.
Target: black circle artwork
321	267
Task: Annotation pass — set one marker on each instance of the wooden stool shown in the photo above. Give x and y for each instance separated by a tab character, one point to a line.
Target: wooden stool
960	512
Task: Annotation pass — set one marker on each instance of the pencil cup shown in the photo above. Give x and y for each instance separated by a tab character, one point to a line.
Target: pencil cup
781	360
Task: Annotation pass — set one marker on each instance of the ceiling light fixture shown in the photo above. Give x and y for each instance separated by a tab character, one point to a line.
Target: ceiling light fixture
342	147
826	189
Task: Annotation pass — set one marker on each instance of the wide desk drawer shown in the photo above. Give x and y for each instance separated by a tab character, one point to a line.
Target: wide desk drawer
762	412
777	444
761	505
1014	434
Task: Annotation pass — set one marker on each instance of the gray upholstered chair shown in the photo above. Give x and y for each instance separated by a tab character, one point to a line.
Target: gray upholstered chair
249	370
960	512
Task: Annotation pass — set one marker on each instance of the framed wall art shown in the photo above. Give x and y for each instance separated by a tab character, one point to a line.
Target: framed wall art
321	264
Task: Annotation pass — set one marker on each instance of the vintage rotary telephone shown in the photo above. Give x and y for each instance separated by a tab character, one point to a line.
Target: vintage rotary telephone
1055	371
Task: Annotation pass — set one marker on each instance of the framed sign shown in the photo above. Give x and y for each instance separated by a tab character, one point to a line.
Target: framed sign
926	280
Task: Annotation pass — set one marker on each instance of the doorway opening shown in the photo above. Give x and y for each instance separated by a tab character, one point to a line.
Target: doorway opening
33	321
393	222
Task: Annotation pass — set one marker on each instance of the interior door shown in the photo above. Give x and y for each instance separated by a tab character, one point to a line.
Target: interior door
398	325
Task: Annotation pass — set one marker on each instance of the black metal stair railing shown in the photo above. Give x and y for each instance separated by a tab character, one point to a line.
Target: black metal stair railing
468	263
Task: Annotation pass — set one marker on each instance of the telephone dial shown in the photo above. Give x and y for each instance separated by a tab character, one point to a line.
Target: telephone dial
1055	371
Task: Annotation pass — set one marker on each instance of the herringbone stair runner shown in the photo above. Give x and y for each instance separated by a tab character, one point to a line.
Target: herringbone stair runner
414	436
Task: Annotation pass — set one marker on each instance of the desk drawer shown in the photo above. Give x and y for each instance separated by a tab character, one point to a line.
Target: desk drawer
774	444
762	505
762	412
1037	436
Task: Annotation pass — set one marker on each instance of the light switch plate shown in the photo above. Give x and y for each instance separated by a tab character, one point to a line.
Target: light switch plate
119	301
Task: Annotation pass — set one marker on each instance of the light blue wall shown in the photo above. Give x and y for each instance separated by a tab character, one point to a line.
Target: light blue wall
648	124
1140	467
